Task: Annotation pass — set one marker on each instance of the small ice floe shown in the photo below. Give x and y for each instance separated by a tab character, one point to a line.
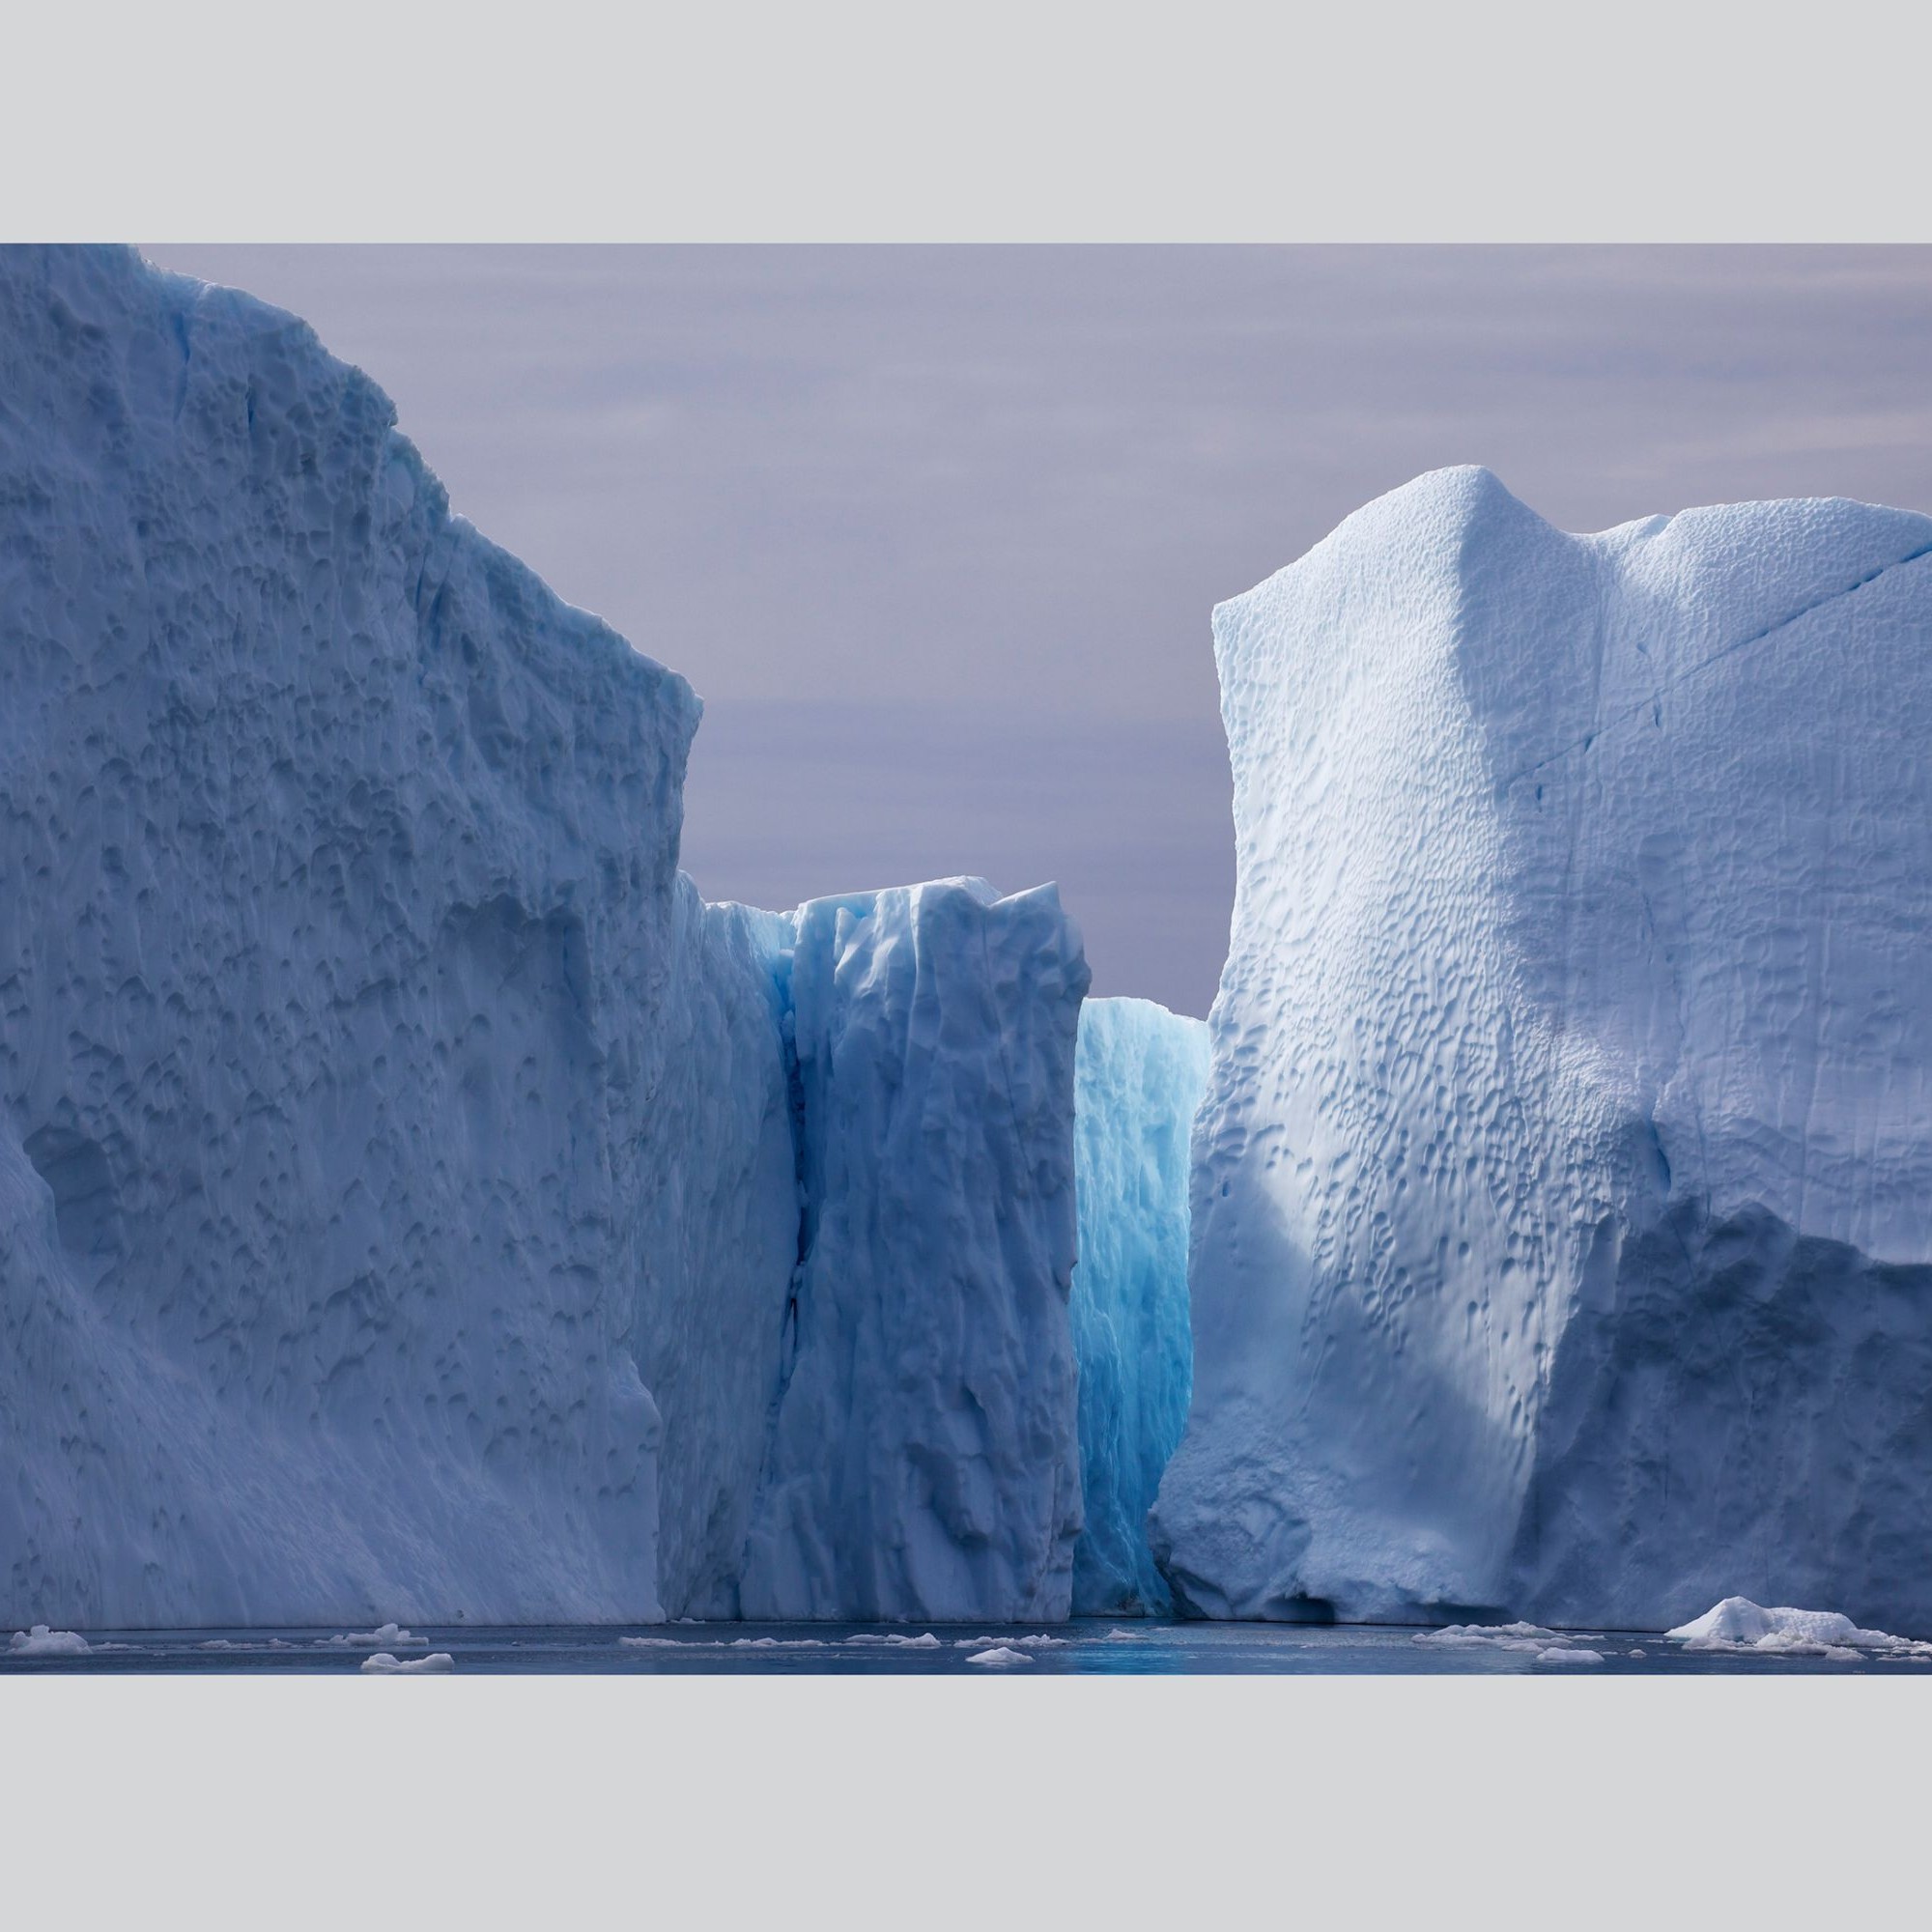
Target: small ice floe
387	1636
654	1643
1738	1625
777	1644
1640	1653
1533	1639
385	1664
1001	1654
897	1641
40	1641
220	1644
1039	1642
1566	1654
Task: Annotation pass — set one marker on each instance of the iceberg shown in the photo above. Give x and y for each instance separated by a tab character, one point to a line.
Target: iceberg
925	1458
44	1641
415	1200
353	1026
1530	1637
385	1636
1737	1624
1562	1202
1141	1071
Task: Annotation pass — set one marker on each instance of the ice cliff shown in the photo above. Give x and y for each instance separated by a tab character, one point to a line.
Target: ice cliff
1141	1074
1562	1198
401	1169
925	1460
417	1204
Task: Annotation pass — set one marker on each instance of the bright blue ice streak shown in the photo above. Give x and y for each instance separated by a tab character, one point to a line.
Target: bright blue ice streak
1140	1074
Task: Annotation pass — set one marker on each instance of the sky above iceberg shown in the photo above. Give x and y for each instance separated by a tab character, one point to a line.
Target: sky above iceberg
936	533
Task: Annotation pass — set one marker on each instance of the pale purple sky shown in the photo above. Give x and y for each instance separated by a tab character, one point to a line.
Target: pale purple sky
935	533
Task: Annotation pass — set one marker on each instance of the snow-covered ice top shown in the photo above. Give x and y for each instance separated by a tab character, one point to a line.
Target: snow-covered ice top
1563	1188
1141	1071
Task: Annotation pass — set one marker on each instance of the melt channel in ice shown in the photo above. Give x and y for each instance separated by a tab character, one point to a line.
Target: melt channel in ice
1141	1071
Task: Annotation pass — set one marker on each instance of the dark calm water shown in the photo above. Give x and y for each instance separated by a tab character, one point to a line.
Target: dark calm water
1086	1647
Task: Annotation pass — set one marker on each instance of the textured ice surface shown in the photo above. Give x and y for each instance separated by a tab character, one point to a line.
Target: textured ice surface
1530	1637
415	1199
1140	1074
383	1123
1738	1624
41	1641
387	1636
383	1665
924	1460
1562	1204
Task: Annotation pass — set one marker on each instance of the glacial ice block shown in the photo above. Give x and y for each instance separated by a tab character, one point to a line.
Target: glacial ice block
925	1459
1562	1200
397	1206
1141	1071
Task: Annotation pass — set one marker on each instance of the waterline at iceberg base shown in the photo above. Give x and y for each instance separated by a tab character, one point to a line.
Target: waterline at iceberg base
430	1231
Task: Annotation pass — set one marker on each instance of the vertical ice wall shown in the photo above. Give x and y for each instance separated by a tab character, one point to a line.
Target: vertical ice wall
1140	1072
396	1191
1562	1206
923	1459
404	1174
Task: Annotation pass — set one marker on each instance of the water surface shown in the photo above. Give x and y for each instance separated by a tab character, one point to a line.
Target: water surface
1085	1647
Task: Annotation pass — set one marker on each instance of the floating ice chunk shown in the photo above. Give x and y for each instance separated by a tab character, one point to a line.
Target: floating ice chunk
777	1644
1737	1624
387	1636
40	1641
1001	1654
1039	1642
1562	1654
1491	1637
657	1643
385	1664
